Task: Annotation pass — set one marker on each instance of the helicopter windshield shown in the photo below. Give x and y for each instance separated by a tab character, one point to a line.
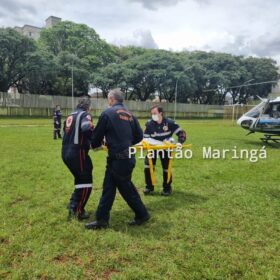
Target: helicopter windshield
256	111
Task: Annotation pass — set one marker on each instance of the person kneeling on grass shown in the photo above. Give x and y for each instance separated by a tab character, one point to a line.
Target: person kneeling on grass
78	130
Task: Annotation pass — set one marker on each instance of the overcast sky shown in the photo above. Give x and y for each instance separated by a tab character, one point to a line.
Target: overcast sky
247	27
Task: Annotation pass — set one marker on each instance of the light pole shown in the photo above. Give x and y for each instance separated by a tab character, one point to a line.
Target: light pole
175	101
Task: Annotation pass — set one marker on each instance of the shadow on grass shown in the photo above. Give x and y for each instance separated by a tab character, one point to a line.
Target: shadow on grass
274	193
162	210
260	143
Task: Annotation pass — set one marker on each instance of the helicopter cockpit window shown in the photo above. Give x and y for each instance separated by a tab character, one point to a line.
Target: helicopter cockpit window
256	111
268	110
275	111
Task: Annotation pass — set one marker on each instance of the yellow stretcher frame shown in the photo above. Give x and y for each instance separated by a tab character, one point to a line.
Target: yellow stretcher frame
145	145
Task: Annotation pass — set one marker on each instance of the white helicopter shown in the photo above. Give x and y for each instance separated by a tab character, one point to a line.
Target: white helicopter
264	118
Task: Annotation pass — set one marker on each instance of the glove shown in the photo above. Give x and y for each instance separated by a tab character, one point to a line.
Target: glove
179	146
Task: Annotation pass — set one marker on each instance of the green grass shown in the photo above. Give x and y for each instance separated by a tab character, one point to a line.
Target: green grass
222	222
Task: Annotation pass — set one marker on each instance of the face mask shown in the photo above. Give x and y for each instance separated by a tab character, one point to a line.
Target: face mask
155	117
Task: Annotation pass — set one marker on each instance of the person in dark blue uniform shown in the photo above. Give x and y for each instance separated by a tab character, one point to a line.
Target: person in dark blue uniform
78	130
121	130
56	122
161	128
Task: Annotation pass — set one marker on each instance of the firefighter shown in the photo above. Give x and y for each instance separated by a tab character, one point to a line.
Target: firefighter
78	129
161	128
121	130
56	122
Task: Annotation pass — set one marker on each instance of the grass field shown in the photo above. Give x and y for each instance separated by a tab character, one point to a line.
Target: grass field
222	222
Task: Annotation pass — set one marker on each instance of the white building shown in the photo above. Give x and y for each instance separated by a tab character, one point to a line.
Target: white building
34	31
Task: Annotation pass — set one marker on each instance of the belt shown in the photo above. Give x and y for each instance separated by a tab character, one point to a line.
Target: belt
122	155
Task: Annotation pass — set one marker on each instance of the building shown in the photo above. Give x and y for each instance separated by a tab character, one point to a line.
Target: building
52	21
34	31
29	31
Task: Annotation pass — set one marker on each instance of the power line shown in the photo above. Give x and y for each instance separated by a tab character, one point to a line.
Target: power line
244	85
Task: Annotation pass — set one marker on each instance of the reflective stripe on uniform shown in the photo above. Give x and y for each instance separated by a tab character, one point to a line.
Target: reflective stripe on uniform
165	170
81	186
77	127
161	134
177	130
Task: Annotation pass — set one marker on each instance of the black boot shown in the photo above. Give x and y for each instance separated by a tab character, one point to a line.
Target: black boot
149	190
167	190
79	216
97	225
138	222
83	216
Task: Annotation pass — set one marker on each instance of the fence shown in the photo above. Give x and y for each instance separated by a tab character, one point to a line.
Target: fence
236	111
42	106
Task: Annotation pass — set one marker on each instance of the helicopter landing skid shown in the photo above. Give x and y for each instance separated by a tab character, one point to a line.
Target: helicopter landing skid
269	137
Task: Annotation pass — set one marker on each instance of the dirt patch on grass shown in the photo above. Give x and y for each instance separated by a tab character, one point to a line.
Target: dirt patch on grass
4	240
66	259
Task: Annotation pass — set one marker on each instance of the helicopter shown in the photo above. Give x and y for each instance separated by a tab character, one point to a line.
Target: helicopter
264	118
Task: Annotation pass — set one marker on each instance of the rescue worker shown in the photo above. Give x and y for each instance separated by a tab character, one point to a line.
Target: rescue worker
121	130
56	122
78	129
161	128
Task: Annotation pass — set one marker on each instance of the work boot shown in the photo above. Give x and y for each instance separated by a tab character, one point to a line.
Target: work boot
74	215
138	222
149	190
166	191
97	225
83	216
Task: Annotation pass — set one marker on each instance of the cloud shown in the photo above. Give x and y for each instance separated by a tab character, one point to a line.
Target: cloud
140	38
266	45
237	45
16	8
155	4
239	27
16	11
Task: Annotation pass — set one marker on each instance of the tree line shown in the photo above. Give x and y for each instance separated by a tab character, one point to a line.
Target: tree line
46	67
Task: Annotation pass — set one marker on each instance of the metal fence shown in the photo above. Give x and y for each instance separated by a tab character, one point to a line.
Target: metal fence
42	106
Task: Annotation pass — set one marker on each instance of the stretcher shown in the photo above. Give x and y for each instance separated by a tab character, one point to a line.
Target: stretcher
150	144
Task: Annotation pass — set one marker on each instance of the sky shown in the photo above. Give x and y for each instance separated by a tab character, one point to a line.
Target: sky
240	27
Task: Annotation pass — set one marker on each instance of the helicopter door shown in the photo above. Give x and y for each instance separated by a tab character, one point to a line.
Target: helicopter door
276	111
264	114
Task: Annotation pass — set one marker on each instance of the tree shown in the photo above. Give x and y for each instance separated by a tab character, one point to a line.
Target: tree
79	48
155	71
41	74
15	57
261	70
79	40
109	77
